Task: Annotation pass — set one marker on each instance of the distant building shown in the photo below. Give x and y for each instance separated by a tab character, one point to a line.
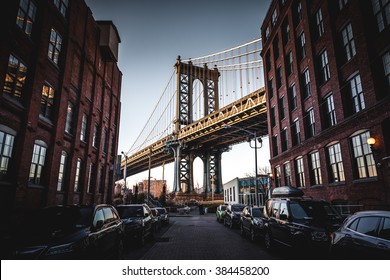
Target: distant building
156	187
242	190
59	104
327	77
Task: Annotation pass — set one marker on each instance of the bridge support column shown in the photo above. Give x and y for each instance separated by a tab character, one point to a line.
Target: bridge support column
213	172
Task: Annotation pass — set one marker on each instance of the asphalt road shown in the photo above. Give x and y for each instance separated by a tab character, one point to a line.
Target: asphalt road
199	237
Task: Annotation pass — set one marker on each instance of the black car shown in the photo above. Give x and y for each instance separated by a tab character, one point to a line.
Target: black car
363	235
232	214
164	215
303	223
252	221
68	232
138	222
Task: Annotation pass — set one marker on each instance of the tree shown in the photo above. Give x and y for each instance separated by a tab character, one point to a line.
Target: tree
163	195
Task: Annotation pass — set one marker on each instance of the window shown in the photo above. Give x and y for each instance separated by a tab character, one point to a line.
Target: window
37	162
273	116
336	172
386	67
61	172
282	108
348	42
382	13
306	84
310	123
284	139
319	23
55	44
62	6
277	176
287	173
296	132
315	169
324	66
95	140
77	187
91	179
289	64
292	93
102	179
105	141
69	118
286	32
274	17
47	101
329	111
384	233
6	146
364	162
84	123
342	4
279	77
268	61
356	91
14	78
26	15
267	33
298	15
270	89
300	174
302	45
276	48
275	145
368	225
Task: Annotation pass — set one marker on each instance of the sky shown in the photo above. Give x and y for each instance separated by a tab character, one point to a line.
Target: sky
153	33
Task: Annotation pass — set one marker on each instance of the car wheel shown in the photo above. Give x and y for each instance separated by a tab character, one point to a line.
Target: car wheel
253	235
268	242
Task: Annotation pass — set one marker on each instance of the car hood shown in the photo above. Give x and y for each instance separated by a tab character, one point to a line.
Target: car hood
131	220
49	237
319	225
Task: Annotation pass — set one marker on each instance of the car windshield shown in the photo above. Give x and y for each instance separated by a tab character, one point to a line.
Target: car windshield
312	210
237	208
161	210
130	212
223	208
257	212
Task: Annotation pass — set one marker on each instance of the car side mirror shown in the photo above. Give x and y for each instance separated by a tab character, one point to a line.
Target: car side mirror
283	217
146	215
99	224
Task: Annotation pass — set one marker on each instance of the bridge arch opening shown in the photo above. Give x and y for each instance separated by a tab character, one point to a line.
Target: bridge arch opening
198	174
198	100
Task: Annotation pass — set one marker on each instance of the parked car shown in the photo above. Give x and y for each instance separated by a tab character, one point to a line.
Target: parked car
299	222
232	215
157	224
363	235
252	221
164	215
68	232
138	222
220	212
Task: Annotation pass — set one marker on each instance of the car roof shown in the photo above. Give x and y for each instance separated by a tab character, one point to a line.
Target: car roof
373	213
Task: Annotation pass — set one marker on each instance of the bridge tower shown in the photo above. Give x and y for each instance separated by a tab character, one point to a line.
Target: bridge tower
186	74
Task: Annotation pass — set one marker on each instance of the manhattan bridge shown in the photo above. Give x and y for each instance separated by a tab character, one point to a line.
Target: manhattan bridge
209	104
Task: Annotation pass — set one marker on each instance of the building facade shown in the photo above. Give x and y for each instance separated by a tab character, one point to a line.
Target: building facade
327	76
242	190
59	104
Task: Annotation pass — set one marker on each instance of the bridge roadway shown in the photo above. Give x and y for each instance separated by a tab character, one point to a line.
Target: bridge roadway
210	132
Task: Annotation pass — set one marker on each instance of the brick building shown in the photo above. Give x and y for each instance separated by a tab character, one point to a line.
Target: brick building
327	75
59	104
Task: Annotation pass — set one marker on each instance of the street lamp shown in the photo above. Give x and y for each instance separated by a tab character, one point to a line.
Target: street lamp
124	175
150	163
255	147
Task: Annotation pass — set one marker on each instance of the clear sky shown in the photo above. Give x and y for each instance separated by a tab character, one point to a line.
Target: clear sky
153	33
